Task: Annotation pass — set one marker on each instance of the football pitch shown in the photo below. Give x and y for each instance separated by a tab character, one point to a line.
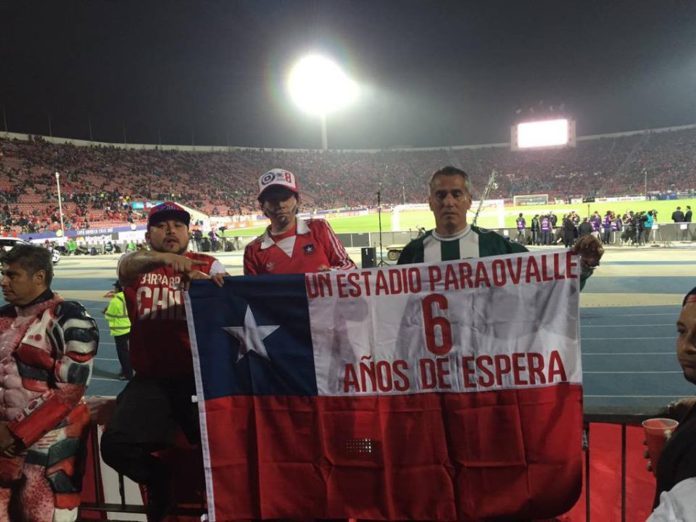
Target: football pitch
414	219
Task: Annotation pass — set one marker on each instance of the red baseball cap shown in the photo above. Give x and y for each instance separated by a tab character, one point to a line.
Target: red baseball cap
168	210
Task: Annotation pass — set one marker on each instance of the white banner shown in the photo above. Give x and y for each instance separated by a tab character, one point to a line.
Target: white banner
473	325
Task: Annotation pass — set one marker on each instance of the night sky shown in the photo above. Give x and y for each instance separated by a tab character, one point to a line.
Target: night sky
433	72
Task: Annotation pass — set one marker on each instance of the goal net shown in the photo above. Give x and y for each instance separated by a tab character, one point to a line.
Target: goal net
530	199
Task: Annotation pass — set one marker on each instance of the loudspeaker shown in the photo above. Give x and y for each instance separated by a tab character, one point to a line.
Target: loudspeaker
368	256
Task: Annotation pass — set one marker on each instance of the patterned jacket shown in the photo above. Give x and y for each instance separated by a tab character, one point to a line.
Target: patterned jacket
46	354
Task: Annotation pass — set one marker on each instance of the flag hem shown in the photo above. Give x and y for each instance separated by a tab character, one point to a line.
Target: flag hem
200	404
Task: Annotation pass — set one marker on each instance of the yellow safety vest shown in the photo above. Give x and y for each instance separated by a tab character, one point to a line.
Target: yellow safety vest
117	315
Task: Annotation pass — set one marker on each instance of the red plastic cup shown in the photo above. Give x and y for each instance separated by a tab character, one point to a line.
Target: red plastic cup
657	432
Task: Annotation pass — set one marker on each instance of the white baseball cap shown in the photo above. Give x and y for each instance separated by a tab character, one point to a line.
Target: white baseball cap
277	178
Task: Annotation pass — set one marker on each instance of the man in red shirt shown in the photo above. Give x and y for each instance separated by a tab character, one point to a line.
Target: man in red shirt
291	245
158	398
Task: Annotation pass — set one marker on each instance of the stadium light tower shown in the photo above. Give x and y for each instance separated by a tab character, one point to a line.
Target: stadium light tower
319	86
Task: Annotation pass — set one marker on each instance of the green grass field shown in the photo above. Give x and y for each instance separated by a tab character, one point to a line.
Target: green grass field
414	219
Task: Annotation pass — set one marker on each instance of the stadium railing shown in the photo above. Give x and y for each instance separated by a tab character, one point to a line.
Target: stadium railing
664	235
99	508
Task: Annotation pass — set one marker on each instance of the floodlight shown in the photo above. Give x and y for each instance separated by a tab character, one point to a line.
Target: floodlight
319	86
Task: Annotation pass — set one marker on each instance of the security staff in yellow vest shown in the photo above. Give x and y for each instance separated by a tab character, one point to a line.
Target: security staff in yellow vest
119	325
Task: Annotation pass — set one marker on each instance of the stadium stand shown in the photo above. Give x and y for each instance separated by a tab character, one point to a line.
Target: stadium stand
99	181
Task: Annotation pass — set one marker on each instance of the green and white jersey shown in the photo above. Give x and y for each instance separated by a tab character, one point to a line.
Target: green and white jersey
470	242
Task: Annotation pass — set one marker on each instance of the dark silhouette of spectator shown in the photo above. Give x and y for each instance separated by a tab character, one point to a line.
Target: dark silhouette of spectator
678	459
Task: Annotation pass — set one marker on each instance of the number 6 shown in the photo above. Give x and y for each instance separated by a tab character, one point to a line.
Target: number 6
431	321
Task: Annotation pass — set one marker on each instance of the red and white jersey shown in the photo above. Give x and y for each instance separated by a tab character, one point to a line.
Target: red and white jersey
46	355
159	341
311	247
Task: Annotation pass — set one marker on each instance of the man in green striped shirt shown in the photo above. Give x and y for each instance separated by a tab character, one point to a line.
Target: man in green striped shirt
453	238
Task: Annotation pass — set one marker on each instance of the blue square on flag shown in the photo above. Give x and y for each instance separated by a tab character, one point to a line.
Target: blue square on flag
252	336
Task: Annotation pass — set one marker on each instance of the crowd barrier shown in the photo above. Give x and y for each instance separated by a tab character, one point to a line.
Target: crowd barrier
616	483
663	233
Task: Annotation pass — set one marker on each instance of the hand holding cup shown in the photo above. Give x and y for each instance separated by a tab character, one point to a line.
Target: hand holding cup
657	433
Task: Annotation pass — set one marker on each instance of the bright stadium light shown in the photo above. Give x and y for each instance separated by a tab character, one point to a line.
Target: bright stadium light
549	133
319	86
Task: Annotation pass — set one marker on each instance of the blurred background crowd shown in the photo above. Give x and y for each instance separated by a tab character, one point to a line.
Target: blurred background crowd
99	183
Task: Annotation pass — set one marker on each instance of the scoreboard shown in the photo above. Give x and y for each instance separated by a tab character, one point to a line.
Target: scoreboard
543	134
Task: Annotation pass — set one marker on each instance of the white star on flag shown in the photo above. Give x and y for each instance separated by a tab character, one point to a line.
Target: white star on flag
251	335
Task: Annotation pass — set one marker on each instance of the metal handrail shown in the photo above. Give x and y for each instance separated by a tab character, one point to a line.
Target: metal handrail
599	416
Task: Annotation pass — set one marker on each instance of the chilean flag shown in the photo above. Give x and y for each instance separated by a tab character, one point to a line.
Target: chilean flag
430	392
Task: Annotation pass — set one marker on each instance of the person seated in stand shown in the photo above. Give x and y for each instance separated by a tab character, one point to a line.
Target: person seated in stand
47	348
678	459
157	399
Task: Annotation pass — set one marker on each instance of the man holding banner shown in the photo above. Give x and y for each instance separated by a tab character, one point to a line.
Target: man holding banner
291	245
159	397
450	199
448	390
471	409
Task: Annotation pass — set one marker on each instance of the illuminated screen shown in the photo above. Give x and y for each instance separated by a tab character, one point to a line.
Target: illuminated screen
548	133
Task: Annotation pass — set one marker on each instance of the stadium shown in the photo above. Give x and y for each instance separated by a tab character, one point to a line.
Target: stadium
99	207
88	196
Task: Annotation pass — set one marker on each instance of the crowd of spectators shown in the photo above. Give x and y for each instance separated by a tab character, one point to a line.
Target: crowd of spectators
629	228
99	183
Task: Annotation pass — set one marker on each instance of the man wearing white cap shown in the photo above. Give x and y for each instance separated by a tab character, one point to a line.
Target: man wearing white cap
291	245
